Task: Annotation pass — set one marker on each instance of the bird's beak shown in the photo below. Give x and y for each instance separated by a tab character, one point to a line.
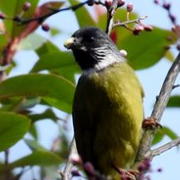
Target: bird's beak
69	43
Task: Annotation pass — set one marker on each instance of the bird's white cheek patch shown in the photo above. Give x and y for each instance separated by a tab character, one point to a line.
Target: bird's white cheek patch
105	62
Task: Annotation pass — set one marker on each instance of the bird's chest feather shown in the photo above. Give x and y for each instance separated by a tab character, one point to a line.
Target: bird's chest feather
114	96
112	101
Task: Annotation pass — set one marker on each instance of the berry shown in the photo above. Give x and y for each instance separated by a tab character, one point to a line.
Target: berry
89	169
172	18
156	1
159	170
75	173
129	7
2	16
148	28
108	4
178	47
123	52
121	3
167	6
26	6
45	27
75	159
137	30
90	2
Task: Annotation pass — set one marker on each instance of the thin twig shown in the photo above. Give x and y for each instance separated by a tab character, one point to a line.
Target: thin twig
118	23
165	147
21	21
110	16
159	107
65	174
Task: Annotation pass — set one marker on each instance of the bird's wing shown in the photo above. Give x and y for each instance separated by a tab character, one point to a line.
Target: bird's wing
84	127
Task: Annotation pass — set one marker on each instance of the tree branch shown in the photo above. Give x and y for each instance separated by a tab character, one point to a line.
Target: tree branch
159	107
165	147
22	21
65	174
116	24
110	16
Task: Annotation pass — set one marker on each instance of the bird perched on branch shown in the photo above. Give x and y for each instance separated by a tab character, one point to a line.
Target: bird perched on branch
107	109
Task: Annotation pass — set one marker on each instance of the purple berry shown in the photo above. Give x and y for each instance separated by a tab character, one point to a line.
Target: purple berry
26	6
121	3
129	7
45	27
108	4
75	173
156	1
2	16
172	18
90	2
148	28
89	169
167	6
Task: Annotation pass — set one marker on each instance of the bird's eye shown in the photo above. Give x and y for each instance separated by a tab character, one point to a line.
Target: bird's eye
89	39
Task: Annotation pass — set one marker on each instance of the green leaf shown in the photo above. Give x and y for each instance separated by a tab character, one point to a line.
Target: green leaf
170	133
49	87
53	60
169	55
87	19
31	42
68	72
174	101
34	146
47	48
48	114
158	137
61	63
12	128
3	41
54	31
38	158
161	133
12	9
33	131
146	49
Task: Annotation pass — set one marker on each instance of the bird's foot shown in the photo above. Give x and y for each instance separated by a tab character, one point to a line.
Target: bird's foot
127	174
150	123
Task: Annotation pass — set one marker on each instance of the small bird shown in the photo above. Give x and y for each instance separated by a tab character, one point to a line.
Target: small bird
108	106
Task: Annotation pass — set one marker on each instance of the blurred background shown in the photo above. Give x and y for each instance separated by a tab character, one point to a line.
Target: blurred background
151	79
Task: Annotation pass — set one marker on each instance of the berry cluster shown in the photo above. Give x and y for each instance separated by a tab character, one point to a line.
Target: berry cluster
167	7
129	8
141	174
144	168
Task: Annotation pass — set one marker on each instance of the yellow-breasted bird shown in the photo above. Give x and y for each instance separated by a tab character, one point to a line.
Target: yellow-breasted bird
108	108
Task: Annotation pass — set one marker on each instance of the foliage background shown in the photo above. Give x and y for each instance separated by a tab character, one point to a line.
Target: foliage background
151	79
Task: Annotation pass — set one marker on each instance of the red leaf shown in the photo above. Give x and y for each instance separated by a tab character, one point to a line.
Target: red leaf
98	12
113	36
44	9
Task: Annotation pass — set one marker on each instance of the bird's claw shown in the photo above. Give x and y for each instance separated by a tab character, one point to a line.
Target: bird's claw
127	174
151	123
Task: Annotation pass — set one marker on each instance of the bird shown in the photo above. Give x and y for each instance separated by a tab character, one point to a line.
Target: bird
108	103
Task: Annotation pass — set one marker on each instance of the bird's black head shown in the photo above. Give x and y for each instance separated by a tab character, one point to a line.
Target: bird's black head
91	46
